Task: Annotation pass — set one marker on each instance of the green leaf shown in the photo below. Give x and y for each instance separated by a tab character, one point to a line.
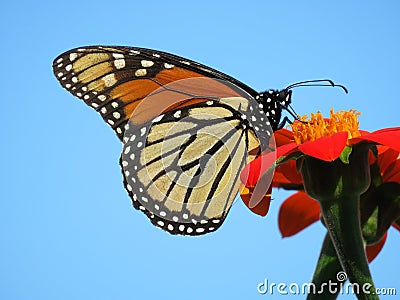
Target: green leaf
344	156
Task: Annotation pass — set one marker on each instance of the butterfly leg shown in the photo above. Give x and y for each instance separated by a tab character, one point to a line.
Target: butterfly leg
285	121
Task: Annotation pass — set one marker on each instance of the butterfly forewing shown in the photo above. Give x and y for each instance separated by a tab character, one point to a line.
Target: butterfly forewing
114	80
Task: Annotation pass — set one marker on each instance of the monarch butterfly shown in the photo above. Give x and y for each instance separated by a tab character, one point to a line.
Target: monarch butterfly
187	129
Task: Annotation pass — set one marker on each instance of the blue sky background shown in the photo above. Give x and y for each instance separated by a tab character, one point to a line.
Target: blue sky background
67	227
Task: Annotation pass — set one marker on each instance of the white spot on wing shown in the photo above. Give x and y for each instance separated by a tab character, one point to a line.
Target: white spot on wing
119	63
146	63
72	56
118	55
109	80
102	98
157	119
127	150
140	72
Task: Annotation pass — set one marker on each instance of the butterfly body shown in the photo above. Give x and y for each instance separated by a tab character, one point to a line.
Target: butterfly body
187	129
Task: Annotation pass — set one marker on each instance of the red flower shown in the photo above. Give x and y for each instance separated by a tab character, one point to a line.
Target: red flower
327	148
332	157
299	210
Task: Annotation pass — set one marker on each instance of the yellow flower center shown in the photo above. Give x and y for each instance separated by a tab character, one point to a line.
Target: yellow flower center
316	127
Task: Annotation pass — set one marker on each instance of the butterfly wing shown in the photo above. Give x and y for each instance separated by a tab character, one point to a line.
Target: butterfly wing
182	156
115	80
182	168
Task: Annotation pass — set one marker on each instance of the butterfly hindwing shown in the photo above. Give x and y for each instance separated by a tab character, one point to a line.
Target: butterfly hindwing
182	168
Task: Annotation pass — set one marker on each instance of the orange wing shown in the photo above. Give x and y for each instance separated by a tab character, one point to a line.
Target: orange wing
122	83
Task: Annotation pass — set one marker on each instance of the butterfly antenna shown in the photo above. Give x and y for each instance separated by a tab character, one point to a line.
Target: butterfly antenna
317	82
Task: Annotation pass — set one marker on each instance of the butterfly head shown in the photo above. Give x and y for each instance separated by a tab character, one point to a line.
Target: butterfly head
274	101
284	98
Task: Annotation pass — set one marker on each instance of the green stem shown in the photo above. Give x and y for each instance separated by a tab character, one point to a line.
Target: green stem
327	277
342	220
337	186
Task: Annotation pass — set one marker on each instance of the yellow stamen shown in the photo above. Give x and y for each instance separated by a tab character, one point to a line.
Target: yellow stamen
309	130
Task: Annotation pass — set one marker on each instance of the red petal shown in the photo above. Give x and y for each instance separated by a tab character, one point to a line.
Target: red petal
392	173
396	226
255	169
289	170
262	207
389	164
279	179
371	158
388	136
283	137
326	148
296	213
363	132
373	250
